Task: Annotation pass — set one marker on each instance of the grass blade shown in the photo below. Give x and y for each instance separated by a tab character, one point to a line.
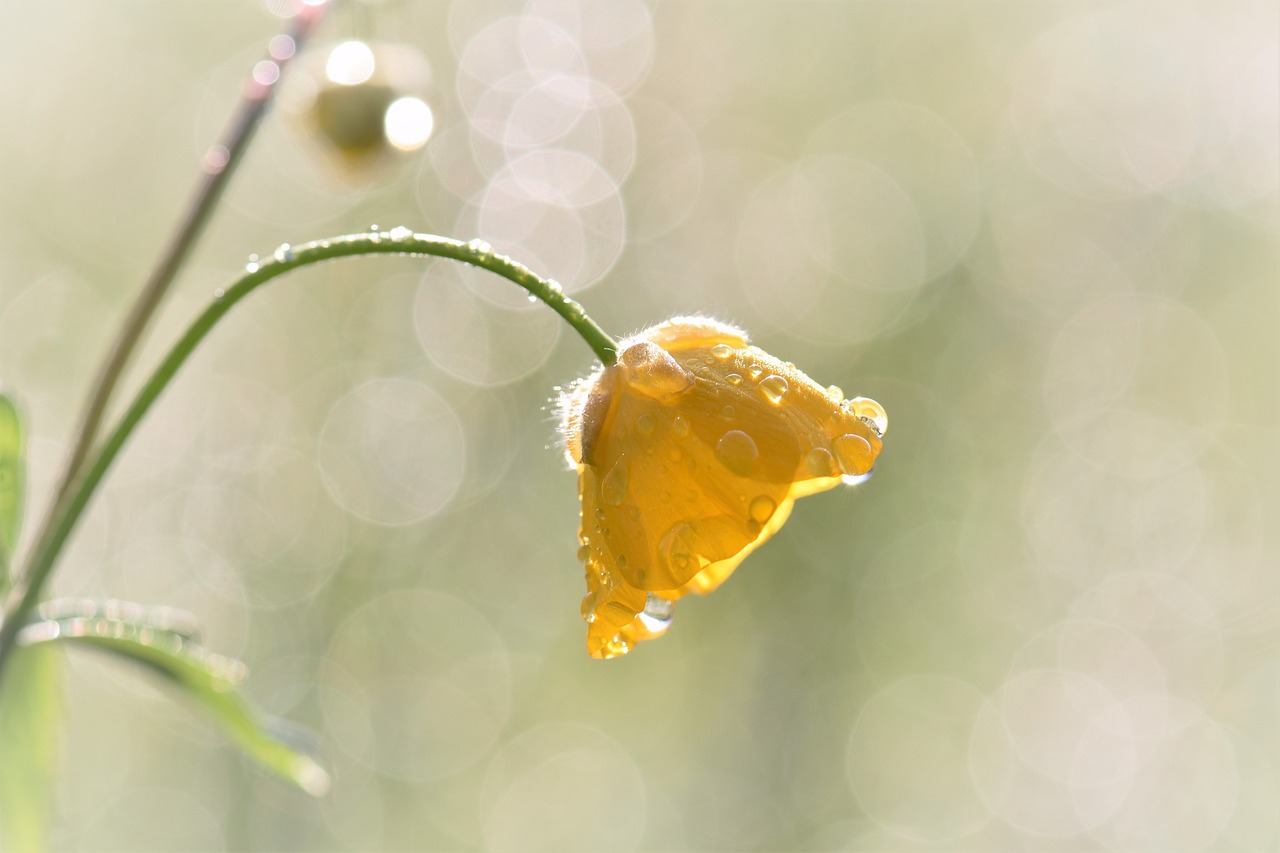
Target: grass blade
155	639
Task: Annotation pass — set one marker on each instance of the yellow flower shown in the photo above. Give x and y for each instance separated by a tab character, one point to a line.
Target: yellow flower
690	452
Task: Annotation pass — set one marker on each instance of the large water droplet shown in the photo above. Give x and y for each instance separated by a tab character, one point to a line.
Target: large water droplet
761	508
657	613
733	379
774	388
854	454
651	370
645	424
677	552
820	462
871	412
613	488
737	451
722	350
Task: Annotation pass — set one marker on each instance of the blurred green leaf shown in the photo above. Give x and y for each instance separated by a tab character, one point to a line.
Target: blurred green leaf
30	732
11	484
211	680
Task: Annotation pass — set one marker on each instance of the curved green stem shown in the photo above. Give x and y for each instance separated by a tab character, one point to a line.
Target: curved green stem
398	241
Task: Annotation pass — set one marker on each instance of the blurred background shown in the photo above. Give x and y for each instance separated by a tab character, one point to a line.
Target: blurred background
1043	236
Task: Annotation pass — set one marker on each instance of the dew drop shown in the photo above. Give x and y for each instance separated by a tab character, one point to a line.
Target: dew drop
854	454
754	372
728	413
737	451
613	488
584	553
774	388
651	370
478	245
722	351
680	427
252	265
400	233
657	613
871	412
283	253
835	394
733	379
820	462
677	552
761	508
645	424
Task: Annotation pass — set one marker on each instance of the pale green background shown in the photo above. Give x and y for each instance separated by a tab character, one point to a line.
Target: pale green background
1042	235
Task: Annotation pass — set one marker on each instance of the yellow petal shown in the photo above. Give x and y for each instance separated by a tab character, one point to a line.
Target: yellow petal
691	451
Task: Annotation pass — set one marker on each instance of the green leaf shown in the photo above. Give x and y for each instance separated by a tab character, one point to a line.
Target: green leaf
11	484
30	735
159	639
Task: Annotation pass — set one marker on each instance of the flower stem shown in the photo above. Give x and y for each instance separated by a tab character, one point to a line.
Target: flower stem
71	504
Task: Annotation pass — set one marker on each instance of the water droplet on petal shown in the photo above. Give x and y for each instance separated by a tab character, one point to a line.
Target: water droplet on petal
657	613
737	451
645	424
651	370
774	388
680	427
754	372
584	553
871	412
761	508
820	462
835	394
613	488
733	379
722	350
854	454
676	550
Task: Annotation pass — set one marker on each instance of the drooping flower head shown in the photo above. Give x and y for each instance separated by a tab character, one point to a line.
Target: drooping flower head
690	452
